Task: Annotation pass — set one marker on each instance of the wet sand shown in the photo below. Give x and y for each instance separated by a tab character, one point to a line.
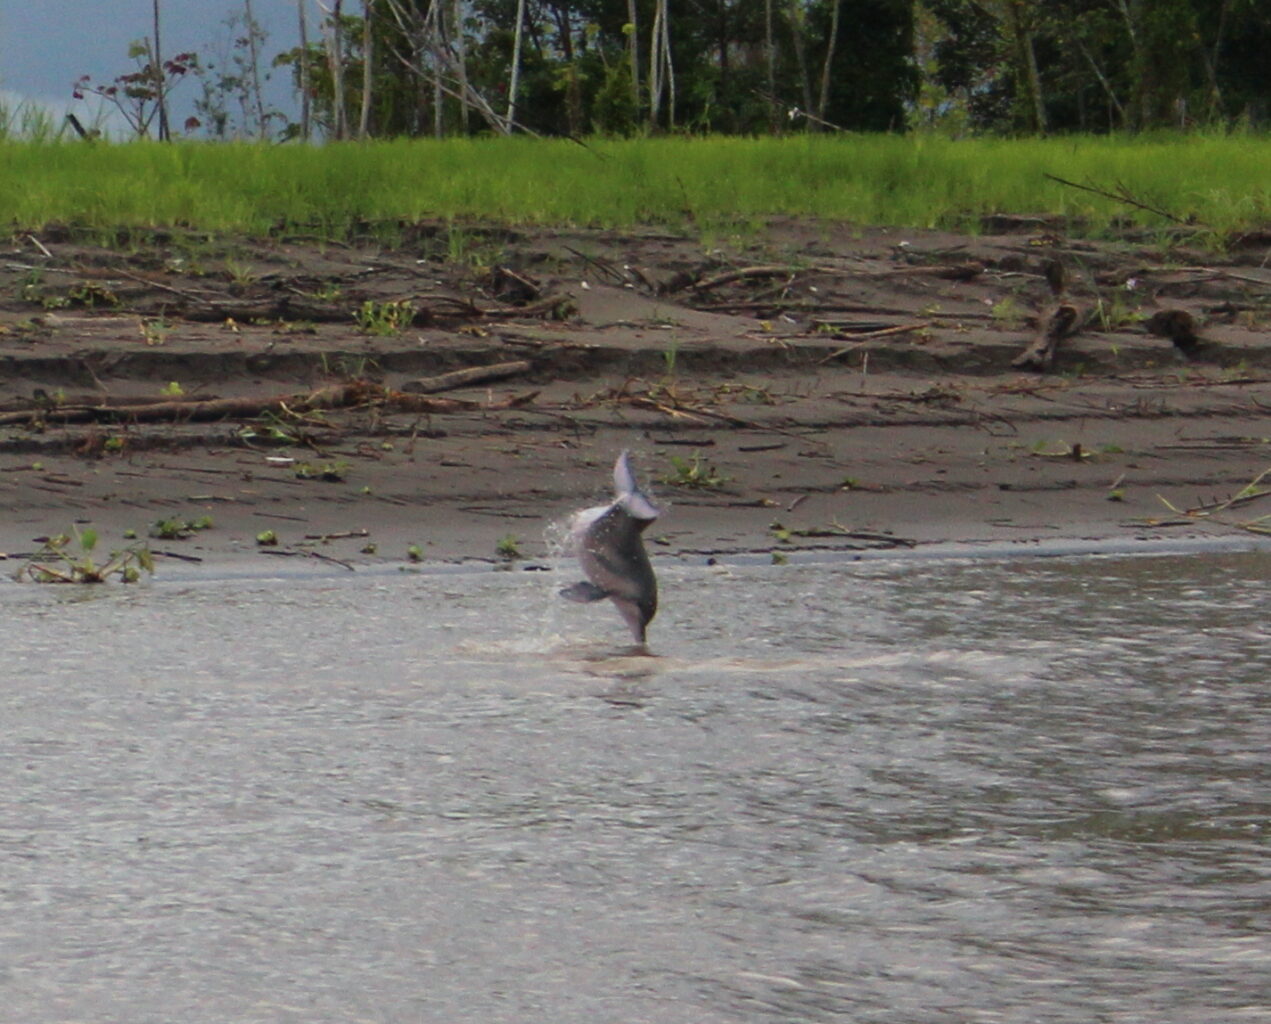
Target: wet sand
811	387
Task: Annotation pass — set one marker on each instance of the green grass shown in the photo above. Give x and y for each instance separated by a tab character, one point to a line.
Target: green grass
913	181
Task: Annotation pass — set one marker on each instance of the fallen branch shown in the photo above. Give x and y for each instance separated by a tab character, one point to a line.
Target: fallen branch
873	335
603	267
951	272
41	400
678	410
967	271
337	396
467	377
744	273
776	306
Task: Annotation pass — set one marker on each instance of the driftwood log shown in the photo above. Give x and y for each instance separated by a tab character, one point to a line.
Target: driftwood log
1059	323
467	377
513	288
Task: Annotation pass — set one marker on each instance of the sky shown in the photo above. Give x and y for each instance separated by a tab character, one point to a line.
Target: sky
45	45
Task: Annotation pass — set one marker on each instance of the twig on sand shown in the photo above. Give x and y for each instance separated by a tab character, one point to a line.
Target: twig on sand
342	535
837	529
150	282
603	266
177	555
1212	510
308	554
871	336
39	245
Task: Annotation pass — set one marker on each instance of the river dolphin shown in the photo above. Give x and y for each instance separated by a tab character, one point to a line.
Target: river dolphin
607	540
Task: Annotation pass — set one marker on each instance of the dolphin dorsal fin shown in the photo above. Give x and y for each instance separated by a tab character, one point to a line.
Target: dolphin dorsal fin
628	493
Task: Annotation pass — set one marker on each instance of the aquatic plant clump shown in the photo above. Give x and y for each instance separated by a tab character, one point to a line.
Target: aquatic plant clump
68	558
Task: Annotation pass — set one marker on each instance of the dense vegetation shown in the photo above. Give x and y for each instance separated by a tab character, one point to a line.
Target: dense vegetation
758	66
388	68
1216	184
875	111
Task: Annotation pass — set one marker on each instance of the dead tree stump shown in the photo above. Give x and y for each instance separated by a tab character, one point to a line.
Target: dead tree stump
1057	324
1178	325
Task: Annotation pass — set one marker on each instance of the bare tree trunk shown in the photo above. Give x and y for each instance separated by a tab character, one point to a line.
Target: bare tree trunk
721	42
1026	61
368	67
661	72
305	126
438	96
516	64
257	92
432	59
1140	105
1211	63
797	26
427	36
437	22
461	61
335	59
573	94
1106	85
667	67
160	80
655	77
830	43
634	49
1035	84
770	52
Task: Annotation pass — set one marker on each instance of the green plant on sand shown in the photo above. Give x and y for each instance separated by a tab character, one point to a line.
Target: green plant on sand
693	472
68	558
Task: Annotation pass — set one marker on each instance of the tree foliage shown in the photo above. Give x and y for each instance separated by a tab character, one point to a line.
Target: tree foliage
576	67
1101	65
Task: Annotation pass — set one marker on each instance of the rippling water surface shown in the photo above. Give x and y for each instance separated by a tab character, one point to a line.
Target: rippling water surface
911	791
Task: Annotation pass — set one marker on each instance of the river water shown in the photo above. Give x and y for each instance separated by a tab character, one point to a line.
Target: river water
998	790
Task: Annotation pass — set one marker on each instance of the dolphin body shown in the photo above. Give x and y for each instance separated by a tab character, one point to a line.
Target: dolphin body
607	540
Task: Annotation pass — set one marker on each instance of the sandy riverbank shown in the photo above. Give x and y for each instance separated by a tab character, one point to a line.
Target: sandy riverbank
848	390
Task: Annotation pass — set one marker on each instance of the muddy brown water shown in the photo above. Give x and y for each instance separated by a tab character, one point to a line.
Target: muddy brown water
926	790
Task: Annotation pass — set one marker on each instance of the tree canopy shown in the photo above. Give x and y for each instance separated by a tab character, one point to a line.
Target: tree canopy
577	67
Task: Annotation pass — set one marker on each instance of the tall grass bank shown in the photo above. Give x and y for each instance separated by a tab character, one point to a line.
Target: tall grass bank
1220	182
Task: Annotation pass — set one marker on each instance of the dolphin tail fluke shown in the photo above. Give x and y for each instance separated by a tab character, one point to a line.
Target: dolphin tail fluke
628	492
624	481
584	592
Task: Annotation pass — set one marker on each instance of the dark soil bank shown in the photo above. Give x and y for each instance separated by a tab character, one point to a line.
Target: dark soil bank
812	387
